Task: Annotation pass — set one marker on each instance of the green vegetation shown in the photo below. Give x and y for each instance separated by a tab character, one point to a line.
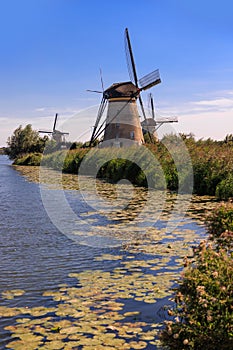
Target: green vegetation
29	159
202	315
206	165
204	298
24	141
211	163
220	220
224	188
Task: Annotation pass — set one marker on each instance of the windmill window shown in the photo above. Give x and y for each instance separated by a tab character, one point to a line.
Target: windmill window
117	125
132	135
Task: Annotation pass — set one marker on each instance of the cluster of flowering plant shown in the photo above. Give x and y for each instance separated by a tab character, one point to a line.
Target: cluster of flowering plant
220	220
203	312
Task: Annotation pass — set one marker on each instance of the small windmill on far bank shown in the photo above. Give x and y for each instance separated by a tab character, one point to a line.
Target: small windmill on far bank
152	124
58	136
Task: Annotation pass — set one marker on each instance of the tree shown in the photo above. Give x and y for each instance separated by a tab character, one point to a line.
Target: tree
23	141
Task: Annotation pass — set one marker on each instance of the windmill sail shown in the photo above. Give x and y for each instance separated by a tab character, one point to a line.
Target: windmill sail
130	59
102	106
150	80
151	101
55	122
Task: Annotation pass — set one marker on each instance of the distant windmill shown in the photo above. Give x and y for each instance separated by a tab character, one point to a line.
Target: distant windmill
152	124
122	125
57	135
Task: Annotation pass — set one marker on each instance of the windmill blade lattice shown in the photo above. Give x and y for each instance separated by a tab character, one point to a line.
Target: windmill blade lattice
132	67
101	79
150	80
55	122
151	105
130	59
99	116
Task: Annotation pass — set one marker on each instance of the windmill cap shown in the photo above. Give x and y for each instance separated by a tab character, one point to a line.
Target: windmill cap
125	89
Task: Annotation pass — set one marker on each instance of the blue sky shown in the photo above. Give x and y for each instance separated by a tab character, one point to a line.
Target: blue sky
51	52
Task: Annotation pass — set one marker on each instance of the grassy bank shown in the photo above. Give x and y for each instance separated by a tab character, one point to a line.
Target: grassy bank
175	161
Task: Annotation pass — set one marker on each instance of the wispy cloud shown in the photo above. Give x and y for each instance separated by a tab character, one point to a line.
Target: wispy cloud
3	119
219	103
40	109
206	116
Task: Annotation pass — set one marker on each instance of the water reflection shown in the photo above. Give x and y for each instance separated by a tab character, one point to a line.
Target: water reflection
116	207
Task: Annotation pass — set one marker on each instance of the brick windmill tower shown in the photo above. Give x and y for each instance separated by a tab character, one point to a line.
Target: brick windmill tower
122	126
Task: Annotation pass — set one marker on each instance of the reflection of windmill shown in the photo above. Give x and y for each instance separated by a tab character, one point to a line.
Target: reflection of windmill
152	124
122	125
57	135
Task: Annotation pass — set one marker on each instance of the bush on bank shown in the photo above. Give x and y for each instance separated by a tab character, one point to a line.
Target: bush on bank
137	164
224	188
220	225
203	311
144	166
29	159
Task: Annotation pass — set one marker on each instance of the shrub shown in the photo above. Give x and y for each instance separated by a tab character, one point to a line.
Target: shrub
29	159
203	305
171	176
224	189
117	169
203	317
73	160
220	219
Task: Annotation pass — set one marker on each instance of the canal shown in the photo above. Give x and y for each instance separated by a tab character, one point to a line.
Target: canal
76	274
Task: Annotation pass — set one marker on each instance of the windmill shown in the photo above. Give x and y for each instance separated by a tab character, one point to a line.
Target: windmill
152	124
57	135
122	125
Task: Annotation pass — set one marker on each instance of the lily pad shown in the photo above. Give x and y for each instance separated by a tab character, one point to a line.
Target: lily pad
11	294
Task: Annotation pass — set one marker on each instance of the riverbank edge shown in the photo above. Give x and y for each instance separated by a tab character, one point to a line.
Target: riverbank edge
209	163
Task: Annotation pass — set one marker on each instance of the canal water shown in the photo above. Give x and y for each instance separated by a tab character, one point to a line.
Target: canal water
71	290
